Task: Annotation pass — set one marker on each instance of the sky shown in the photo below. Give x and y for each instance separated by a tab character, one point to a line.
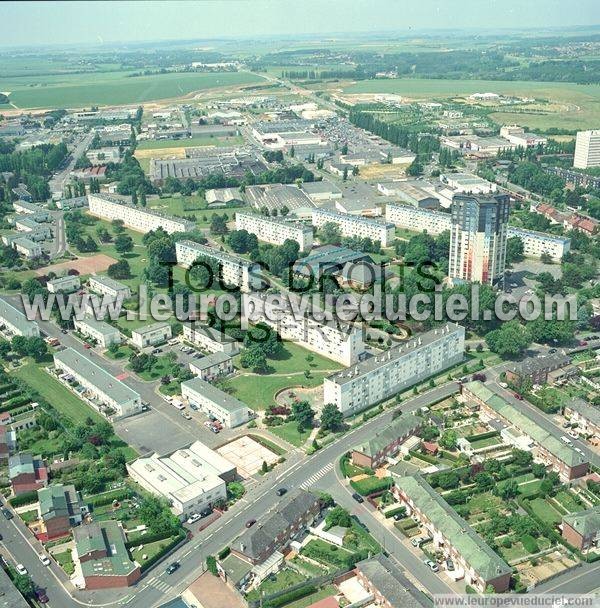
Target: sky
42	23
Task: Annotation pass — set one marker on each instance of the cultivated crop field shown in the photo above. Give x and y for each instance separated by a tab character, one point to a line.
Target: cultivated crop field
109	88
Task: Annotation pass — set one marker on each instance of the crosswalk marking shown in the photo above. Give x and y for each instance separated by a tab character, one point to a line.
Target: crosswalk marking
314	478
160	585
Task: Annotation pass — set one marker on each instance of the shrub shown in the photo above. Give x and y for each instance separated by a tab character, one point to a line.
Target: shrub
371	485
23	499
530	543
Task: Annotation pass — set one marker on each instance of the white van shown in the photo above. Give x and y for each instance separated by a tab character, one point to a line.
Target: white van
179	405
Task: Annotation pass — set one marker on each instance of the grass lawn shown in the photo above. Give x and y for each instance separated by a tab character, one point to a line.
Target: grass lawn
486	442
483	502
65	561
178	205
124	513
313	598
149	550
326	553
289	432
29	516
277	582
56	394
162	367
190	142
568	501
293	359
258	391
545	511
123	353
529	488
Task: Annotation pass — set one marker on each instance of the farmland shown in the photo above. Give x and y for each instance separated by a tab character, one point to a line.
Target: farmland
107	88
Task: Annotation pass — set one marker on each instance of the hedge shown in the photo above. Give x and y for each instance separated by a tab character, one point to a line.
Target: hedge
371	485
23	499
291	596
393	512
147	539
166	549
223	553
485	435
424	457
105	499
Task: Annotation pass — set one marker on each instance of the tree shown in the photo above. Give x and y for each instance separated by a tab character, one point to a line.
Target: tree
331	418
156	514
514	250
510	340
338	516
484	482
509	489
522	458
36	348
264	467
218	224
448	439
119	270
330	234
253	357
123	243
303	414
538	469
24	585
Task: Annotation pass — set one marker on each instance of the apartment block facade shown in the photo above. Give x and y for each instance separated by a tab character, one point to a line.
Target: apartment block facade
274	231
587	149
356	225
139	219
382	376
233	269
341	342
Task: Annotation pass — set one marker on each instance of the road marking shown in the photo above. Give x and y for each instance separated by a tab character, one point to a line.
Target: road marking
314	478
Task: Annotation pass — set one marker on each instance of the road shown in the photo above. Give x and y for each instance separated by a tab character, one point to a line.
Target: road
60	178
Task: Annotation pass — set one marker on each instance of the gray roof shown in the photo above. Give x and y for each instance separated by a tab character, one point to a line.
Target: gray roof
14	316
531	365
586	410
391	583
256	539
100	326
9	596
216	395
320	187
474	550
211	333
210	360
404	424
327	258
108	282
587	522
148	329
394	353
99	377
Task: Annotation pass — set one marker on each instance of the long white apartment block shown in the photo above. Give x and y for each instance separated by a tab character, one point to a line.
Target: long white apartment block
356	225
102	332
273	230
109	395
209	339
435	222
341	342
234	269
140	219
417	219
381	377
13	321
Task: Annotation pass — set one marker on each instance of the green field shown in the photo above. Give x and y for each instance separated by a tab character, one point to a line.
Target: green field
288	431
581	103
545	511
190	142
109	88
56	394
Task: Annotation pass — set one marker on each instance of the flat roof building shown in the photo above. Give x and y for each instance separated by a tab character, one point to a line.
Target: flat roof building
353	225
191	479
213	366
107	394
106	286
140	219
322	190
214	402
15	322
274	230
234	270
103	333
149	335
66	284
382	376
341	342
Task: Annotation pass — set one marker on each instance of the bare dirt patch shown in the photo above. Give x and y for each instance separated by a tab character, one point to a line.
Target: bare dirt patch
91	265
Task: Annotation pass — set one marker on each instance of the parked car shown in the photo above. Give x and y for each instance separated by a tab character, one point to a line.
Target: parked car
41	596
186	415
449	565
398	516
20	568
565	440
518	396
7	514
44	559
214	429
281	491
358	498
416	541
194	407
250	523
87	346
205	512
582	343
503	384
573	433
432	565
580	451
193	518
173	567
552	351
